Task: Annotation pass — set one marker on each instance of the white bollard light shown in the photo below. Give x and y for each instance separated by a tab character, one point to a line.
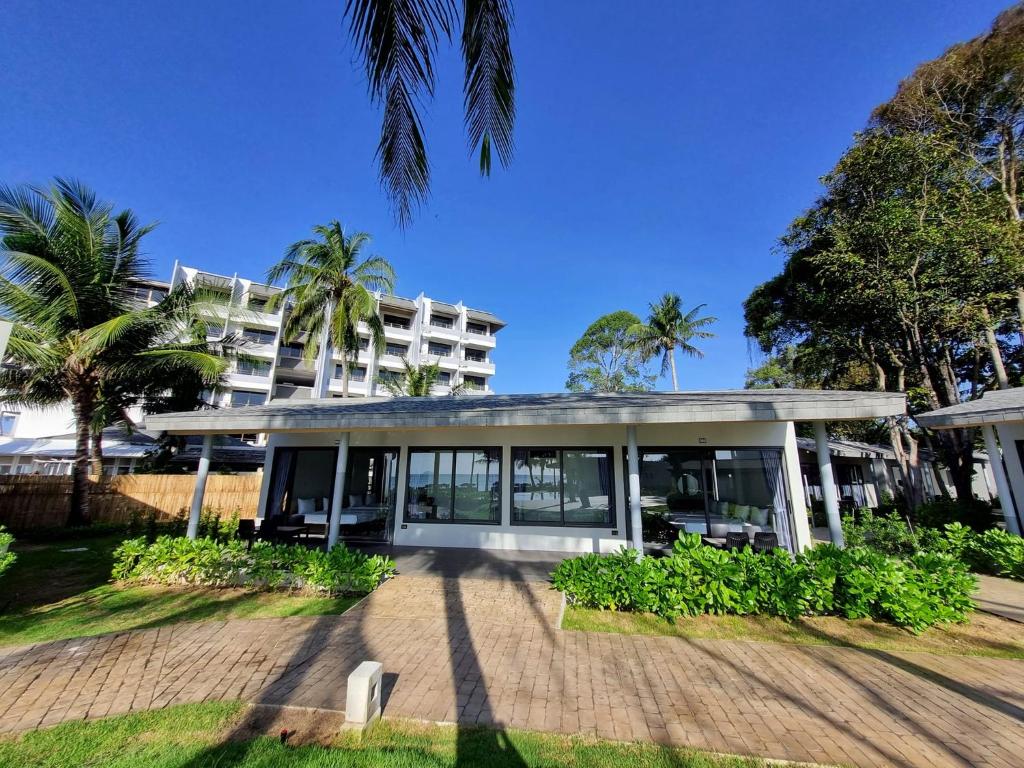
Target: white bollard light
362	702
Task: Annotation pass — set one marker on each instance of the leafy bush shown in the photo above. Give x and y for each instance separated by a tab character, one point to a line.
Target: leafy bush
914	592
886	533
973	513
994	552
7	557
207	562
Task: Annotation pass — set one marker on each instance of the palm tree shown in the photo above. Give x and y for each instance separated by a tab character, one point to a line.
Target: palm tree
68	262
668	329
330	291
397	41
416	380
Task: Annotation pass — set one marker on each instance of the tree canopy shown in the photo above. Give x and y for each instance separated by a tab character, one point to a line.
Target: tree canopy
605	357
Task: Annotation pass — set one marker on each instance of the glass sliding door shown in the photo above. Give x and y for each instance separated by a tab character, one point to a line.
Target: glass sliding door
454	485
368	503
672	494
302	482
713	492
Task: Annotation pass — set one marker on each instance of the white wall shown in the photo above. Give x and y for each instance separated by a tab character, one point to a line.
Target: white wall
546	538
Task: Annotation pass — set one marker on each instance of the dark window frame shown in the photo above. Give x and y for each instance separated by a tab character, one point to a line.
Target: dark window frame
707	450
612	498
246	392
261	333
387	349
432	344
410	450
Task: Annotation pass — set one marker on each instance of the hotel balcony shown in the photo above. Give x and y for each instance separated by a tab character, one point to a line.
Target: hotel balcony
441	333
478	368
484	341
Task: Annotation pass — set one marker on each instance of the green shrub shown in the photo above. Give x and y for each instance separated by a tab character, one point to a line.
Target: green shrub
973	513
7	557
208	562
858	582
887	533
994	552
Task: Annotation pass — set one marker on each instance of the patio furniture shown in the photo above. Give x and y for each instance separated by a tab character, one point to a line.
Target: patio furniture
765	541
246	531
736	540
268	528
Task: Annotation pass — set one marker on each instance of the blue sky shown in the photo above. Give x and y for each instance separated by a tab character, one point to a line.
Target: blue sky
660	150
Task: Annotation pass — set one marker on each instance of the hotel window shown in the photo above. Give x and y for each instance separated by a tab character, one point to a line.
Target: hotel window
294	349
444	378
394	321
257	304
554	486
354	374
214	331
441	350
364	343
254	367
474	382
476	355
240	397
259	335
8	422
454	485
480	329
397	350
441	321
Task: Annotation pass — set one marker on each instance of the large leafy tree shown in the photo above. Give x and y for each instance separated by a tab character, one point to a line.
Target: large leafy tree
417	380
971	100
68	266
604	358
329	290
668	329
397	41
898	271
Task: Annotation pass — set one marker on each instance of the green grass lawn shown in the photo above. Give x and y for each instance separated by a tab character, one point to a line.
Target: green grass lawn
197	735
982	635
60	589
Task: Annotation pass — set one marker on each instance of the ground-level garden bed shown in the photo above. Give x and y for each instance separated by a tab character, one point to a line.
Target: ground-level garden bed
216	734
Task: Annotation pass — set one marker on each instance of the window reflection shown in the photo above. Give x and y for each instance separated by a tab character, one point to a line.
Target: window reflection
562	487
460	485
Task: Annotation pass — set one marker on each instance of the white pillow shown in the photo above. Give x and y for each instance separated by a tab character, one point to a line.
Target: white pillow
326	504
307	506
371	499
759	516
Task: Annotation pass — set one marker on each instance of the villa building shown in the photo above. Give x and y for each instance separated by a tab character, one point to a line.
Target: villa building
557	472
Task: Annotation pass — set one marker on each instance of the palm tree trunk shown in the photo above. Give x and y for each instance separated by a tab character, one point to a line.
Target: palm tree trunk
96	454
344	377
672	365
79	511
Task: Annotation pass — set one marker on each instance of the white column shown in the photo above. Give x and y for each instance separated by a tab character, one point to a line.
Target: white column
828	484
200	489
634	489
995	459
334	522
802	538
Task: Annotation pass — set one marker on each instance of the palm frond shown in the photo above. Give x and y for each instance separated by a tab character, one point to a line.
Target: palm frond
489	87
396	40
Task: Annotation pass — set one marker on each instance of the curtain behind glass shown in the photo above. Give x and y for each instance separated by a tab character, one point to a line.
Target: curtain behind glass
282	477
772	462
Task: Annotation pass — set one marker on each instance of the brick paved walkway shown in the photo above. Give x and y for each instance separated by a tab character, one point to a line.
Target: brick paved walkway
1003	597
488	652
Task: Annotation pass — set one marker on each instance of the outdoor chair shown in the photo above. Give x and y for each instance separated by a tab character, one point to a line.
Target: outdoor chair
765	542
736	540
268	530
246	532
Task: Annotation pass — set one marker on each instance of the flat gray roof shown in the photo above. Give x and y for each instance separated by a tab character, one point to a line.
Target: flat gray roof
994	407
483	316
536	410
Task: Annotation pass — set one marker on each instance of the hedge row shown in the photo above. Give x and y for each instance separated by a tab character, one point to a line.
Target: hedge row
915	592
207	562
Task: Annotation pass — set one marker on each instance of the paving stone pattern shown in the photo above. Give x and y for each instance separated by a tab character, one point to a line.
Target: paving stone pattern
488	651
